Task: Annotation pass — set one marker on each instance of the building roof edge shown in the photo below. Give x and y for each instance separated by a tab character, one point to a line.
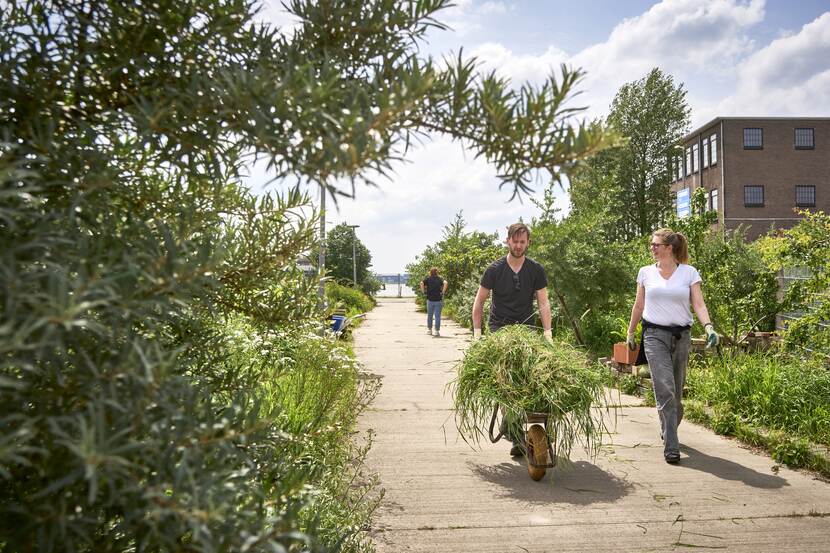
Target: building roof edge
716	120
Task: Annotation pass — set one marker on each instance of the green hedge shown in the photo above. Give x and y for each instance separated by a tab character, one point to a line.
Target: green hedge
776	401
344	297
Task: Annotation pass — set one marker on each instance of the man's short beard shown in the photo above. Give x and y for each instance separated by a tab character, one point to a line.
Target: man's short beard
517	256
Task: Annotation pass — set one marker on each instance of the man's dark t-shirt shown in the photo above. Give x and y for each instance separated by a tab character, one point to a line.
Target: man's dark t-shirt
513	293
434	286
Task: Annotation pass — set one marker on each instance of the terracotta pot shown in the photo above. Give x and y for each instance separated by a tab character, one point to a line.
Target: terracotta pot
624	355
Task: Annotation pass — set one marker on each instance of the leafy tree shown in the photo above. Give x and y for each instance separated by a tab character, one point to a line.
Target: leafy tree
339	256
634	178
590	276
697	226
805	249
739	287
460	255
129	421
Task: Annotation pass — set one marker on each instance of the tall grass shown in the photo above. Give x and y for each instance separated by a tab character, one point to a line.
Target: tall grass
352	300
776	391
517	370
459	306
311	387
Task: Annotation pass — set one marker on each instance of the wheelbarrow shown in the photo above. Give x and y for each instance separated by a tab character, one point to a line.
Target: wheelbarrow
538	448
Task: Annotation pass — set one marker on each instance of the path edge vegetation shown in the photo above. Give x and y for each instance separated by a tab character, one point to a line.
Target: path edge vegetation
158	343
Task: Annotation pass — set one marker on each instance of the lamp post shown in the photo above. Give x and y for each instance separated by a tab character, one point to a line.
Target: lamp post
321	258
354	254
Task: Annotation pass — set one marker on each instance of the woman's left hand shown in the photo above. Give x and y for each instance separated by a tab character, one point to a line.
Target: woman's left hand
712	338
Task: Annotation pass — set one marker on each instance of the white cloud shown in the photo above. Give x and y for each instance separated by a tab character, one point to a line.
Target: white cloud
706	45
679	36
272	12
519	68
405	214
790	76
492	8
458	17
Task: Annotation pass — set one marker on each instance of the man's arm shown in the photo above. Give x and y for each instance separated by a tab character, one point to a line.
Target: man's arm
444	289
544	311
478	309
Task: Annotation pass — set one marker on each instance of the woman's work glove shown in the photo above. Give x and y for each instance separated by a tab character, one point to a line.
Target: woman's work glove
548	335
476	334
631	341
712	338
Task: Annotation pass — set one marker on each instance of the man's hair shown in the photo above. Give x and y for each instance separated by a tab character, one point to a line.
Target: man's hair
518	228
433	271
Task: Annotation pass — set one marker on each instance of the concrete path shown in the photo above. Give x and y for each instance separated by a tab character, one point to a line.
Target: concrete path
443	496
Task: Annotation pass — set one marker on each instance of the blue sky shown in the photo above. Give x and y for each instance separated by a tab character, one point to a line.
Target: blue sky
734	57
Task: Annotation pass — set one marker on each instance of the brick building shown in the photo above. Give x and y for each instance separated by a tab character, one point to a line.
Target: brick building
757	170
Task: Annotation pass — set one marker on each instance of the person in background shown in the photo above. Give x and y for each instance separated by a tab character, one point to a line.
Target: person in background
434	287
515	281
664	291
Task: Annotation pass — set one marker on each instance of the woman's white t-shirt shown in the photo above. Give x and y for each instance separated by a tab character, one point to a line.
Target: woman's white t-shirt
667	301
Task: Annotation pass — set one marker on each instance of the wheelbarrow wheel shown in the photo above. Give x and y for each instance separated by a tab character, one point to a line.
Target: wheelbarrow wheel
537	451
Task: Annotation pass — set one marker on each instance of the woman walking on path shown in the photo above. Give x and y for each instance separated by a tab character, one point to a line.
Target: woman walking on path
434	287
664	291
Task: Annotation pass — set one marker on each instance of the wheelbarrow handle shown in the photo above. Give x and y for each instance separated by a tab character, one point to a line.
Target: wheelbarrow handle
493	424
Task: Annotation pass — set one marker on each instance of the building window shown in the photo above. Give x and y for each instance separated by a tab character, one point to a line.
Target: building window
688	161
705	153
695	158
804	139
713	144
683	203
713	200
805	196
679	167
753	139
753	196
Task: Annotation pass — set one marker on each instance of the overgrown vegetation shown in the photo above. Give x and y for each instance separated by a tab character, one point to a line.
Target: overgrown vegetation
347	257
633	178
460	256
345	297
159	375
805	249
516	369
772	390
459	306
774	400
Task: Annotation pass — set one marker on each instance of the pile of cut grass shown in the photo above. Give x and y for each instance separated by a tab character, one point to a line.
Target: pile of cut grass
518	370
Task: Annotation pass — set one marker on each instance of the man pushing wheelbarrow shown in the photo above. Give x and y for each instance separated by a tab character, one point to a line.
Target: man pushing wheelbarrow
523	374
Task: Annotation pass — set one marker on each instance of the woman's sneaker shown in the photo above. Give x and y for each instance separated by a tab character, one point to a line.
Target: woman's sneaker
436	334
672	457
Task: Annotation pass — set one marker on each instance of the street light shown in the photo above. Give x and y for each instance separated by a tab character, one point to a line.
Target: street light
321	257
354	255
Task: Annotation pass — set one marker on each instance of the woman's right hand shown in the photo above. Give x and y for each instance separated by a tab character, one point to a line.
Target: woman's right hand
631	341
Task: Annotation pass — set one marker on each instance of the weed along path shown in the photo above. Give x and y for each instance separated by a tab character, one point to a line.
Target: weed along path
444	496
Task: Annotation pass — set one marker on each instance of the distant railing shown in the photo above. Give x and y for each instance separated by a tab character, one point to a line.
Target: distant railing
394	285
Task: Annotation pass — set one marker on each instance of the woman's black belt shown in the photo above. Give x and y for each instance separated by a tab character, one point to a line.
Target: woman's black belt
676	331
